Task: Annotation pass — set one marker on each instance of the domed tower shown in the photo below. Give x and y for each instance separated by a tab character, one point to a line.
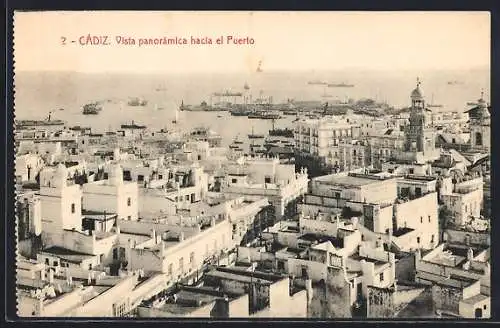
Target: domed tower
419	137
479	125
417	98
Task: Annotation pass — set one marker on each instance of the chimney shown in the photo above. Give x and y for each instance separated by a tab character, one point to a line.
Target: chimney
418	256
153	234
470	254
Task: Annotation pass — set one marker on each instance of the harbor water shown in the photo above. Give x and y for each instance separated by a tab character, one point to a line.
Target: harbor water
38	93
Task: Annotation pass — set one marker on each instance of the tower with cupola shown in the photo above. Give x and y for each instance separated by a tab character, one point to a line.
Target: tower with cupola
419	136
479	126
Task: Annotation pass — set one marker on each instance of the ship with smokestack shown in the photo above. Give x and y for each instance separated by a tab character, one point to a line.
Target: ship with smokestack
137	102
93	108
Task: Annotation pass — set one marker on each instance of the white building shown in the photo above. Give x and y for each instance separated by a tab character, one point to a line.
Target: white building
112	195
61	201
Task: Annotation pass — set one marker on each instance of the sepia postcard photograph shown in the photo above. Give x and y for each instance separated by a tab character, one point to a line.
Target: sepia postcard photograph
241	165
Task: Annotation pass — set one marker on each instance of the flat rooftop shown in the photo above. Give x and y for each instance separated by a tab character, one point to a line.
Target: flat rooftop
419	178
456	282
243	275
67	255
190	298
377	263
475	299
354	180
336	242
98	215
402	231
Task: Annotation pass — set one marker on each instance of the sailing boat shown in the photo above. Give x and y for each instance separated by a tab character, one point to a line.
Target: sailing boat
255	136
259	68
161	87
237	140
432	104
176	118
325	94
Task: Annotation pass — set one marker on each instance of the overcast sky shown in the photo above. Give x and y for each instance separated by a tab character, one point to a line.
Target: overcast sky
283	41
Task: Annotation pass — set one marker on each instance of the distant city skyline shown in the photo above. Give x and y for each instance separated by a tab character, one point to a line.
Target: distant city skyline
284	41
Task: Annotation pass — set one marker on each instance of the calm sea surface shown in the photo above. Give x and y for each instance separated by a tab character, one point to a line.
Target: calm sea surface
39	93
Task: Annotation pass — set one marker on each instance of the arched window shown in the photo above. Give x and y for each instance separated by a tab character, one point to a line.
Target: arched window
479	139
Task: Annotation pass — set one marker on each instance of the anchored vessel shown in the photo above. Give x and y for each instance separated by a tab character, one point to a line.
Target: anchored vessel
317	82
135	102
255	136
92	109
340	85
265	115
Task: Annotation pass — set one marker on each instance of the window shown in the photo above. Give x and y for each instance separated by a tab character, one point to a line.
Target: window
418	240
191	258
421	219
73	208
129	201
381	276
105	176
411	171
47	262
56	263
90	266
429	218
140	178
119	310
418	192
234	181
129	217
176	199
479	139
160	176
432	238
267	180
484	307
405	192
304	272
